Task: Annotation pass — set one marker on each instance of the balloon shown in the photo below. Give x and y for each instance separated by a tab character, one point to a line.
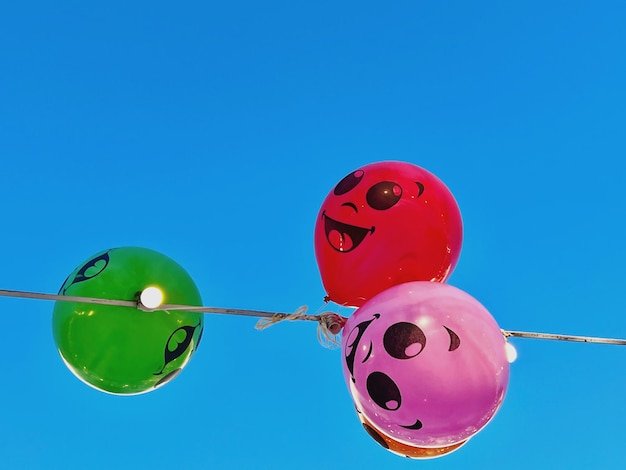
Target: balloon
425	363
125	350
384	224
405	450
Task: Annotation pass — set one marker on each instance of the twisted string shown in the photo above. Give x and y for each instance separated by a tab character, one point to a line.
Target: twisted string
329	327
329	324
299	314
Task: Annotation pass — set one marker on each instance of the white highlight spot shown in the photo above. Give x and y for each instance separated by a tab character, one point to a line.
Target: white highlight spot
151	297
511	352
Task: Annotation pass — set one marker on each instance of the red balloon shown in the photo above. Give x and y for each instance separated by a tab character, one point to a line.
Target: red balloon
385	224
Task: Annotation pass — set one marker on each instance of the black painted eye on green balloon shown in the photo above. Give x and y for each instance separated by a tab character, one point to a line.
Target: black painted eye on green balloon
91	269
199	339
174	348
168	377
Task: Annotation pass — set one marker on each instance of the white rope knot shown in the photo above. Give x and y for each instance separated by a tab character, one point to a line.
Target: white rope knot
299	314
329	327
333	322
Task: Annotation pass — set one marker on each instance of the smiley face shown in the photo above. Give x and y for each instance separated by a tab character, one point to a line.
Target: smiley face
124	350
384	224
402	340
425	363
381	196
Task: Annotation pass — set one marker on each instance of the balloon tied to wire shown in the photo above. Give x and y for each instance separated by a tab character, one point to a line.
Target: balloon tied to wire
329	324
150	299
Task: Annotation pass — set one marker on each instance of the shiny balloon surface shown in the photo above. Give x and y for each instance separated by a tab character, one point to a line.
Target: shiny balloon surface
406	450
425	363
384	224
125	350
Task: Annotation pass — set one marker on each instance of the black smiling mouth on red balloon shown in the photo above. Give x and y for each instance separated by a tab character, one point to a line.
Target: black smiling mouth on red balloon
344	237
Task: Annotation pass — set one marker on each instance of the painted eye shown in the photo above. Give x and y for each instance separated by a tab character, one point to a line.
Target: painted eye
384	195
404	340
384	391
90	270
420	188
177	344
348	183
353	341
168	377
375	435
455	341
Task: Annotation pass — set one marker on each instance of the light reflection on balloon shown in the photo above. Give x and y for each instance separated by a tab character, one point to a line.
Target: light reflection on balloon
125	350
384	224
425	363
511	353
406	450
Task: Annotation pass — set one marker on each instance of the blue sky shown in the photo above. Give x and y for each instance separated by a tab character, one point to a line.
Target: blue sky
213	132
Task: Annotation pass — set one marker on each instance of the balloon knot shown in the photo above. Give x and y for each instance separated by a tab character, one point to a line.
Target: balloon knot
330	325
299	314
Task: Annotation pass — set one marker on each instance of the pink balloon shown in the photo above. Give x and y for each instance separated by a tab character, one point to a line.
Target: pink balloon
425	363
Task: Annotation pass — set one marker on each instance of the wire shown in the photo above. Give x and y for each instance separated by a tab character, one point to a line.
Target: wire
67	298
557	337
330	322
139	305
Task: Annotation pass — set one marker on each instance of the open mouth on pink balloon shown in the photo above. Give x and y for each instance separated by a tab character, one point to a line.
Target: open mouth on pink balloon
344	237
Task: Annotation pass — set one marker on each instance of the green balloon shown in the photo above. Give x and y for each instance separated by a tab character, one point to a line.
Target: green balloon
125	350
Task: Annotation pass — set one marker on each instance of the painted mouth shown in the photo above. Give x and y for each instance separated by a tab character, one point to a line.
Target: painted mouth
416	426
344	237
